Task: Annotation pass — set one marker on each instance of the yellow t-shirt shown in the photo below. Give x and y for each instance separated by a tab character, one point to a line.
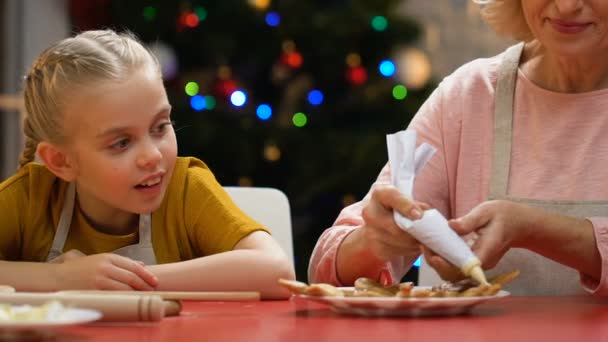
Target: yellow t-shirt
196	218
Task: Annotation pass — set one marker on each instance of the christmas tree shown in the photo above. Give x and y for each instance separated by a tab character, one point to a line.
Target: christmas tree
295	95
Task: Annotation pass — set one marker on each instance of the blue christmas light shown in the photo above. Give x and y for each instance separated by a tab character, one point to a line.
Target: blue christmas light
315	97
264	112
273	19
197	102
387	68
238	98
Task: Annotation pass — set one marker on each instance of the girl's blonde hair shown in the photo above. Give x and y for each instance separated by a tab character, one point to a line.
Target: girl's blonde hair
86	59
506	17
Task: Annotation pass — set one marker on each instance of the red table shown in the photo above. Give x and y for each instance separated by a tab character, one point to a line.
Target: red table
507	319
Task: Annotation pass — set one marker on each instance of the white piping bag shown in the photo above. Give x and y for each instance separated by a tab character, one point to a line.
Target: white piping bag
432	229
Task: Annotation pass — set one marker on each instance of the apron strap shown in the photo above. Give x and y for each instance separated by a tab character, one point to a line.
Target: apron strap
503	121
145	229
65	219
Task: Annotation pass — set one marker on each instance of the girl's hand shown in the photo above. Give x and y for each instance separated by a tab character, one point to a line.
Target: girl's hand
104	272
380	232
69	255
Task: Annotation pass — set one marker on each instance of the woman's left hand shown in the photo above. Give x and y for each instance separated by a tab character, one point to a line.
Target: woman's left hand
499	225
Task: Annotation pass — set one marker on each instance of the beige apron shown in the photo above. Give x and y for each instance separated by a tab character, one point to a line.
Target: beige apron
539	275
142	251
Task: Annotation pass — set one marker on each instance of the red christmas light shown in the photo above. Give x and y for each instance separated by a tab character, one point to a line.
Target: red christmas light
356	75
293	59
225	87
191	20
187	20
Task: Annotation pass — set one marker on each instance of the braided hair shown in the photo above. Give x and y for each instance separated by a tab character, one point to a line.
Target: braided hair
88	58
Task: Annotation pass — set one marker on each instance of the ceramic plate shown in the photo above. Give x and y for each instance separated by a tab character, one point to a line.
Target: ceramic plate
68	316
396	306
5	288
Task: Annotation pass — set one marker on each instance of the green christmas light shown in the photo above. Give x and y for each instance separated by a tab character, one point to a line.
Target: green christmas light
149	13
201	13
399	92
299	119
210	102
191	88
379	23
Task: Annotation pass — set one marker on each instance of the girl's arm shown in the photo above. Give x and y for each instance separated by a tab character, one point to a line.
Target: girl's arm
26	276
100	271
255	264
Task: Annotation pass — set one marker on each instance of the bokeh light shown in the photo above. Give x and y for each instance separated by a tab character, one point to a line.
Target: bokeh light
238	98
201	13
197	102
399	92
264	112
191	20
260	4
273	19
288	46
315	97
353	59
149	13
167	57
292	59
245	181
210	102
299	119
379	23
224	72
272	153
191	88
387	68
413	68
357	75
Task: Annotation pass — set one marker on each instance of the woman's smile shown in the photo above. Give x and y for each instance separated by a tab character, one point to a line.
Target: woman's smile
568	27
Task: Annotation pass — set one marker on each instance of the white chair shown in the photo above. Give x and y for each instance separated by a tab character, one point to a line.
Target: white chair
269	207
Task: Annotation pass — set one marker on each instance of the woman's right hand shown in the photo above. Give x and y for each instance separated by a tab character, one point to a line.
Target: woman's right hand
104	272
381	234
365	250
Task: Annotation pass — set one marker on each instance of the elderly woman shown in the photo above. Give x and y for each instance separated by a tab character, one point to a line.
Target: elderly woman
522	153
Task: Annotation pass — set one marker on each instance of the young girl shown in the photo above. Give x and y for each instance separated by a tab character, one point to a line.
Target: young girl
113	207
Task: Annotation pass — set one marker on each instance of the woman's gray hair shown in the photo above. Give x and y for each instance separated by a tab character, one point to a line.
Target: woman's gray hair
506	17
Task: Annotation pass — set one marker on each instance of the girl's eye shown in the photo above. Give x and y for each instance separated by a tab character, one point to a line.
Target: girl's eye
120	144
163	126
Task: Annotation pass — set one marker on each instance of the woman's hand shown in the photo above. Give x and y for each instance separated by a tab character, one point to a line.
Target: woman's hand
499	226
104	272
378	239
382	235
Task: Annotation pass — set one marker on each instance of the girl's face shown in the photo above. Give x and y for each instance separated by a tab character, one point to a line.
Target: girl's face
569	27
122	143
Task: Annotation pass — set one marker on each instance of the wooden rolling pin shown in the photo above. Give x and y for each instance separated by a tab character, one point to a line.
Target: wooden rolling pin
180	295
114	307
